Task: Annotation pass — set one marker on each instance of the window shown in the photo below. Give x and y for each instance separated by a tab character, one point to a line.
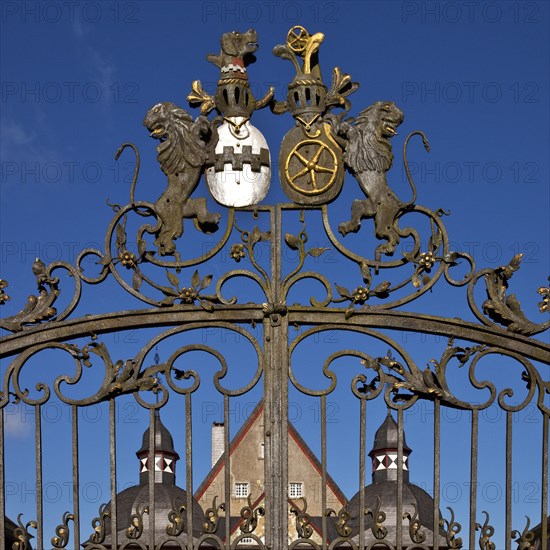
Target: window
296	490
262	451
241	489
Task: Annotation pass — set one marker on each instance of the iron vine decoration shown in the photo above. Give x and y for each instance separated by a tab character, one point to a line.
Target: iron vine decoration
235	158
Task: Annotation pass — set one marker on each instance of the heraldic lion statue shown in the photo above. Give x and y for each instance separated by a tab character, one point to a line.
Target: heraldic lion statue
182	153
368	155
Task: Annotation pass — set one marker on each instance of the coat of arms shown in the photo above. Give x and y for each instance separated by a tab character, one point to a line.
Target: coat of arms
311	167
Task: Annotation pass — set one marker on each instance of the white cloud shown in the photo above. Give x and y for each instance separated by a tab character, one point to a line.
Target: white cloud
104	71
20	144
16	133
17	422
78	28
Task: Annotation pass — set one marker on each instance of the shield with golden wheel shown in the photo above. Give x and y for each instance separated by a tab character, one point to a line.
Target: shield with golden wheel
310	165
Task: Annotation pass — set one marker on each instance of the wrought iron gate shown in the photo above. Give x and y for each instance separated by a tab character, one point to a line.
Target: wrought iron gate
278	319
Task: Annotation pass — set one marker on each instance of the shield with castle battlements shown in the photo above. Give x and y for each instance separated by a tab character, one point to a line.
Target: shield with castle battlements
238	170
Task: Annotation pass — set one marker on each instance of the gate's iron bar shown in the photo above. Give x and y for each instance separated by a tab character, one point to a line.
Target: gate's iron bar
437	470
189	468
544	506
3	482
76	481
70	329
399	519
269	474
324	468
112	451
362	445
151	476
508	540
227	472
473	478
276	404
39	501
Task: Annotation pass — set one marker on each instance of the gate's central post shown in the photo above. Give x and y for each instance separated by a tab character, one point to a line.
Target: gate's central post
276	402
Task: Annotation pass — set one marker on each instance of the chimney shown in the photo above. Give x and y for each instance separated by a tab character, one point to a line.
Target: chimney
218	436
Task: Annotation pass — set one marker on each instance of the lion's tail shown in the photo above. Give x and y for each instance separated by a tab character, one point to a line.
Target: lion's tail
406	164
136	167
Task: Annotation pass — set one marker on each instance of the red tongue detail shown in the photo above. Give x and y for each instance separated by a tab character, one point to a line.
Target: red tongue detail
238	61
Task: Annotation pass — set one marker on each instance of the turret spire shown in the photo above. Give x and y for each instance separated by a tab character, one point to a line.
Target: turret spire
384	452
165	454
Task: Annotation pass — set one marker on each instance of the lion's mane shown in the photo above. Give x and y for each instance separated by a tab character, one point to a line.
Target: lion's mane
180	142
369	147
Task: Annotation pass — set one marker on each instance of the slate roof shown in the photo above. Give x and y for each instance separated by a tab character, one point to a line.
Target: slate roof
167	496
415	500
138	495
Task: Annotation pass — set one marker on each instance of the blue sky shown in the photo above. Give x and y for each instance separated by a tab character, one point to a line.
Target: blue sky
78	78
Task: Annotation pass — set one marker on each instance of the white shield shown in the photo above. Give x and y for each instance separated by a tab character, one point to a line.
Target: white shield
239	143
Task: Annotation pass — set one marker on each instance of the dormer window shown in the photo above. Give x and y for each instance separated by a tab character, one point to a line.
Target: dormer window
242	489
296	489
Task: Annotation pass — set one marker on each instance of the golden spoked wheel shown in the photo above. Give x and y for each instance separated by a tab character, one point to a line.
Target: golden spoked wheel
319	167
297	39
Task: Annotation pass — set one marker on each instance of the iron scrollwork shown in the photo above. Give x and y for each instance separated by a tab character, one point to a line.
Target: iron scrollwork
99	525
38	308
451	529
177	524
362	144
505	309
378	518
250	516
22	535
525	538
212	517
135	530
341	523
415	532
487	531
61	537
303	520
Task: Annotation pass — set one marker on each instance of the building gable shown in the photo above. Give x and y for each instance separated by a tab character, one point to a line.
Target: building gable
247	477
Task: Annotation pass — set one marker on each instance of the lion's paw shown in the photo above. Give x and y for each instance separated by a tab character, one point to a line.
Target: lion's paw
348	227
